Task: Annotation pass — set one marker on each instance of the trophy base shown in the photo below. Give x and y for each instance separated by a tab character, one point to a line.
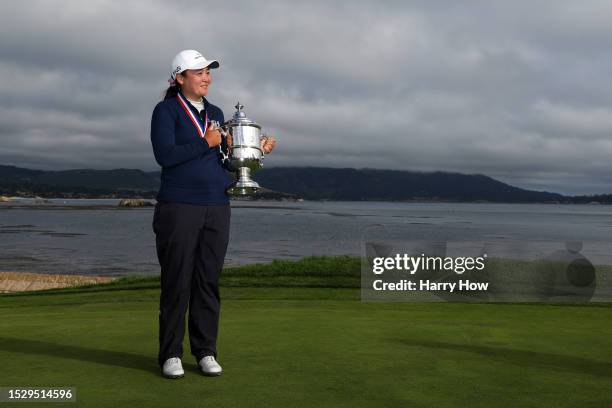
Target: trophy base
242	191
244	186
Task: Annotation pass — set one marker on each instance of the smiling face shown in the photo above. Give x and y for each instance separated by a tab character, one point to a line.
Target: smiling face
194	83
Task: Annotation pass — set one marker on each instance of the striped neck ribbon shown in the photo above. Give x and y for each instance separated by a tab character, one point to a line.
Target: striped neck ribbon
196	122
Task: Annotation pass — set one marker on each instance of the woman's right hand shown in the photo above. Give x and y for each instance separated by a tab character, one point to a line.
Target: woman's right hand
213	137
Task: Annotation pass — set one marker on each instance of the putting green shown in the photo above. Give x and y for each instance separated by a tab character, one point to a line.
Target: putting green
312	347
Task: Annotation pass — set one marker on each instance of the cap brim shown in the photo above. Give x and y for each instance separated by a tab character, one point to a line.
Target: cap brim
212	64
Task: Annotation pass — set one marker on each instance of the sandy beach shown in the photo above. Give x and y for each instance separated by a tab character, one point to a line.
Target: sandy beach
23	281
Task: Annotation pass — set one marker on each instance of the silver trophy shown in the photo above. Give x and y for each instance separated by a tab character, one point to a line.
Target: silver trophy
245	156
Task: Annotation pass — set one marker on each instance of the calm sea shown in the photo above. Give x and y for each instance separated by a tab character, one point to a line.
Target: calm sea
50	238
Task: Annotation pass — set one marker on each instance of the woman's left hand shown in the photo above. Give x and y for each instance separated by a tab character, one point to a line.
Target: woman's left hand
267	144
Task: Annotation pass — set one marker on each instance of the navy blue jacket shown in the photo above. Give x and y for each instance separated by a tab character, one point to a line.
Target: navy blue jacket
192	172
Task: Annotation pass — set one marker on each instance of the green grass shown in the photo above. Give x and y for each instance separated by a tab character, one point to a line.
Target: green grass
314	271
292	346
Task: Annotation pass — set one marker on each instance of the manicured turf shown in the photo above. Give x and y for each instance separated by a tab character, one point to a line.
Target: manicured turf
311	347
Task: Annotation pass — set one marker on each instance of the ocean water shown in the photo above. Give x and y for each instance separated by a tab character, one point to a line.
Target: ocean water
85	239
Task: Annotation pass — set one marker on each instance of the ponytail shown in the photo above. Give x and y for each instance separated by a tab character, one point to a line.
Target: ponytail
172	91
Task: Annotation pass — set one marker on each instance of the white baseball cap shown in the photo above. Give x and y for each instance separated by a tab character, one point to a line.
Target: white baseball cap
190	59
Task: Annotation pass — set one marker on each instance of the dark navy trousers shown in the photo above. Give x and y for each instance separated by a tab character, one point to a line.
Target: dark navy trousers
191	243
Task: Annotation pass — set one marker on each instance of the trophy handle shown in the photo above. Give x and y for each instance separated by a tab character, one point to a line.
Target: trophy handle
262	139
223	148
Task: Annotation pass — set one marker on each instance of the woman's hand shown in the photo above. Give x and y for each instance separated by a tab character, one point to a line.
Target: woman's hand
213	137
267	144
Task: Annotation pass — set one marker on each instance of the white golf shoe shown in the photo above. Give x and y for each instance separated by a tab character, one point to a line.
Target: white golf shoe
173	368
209	366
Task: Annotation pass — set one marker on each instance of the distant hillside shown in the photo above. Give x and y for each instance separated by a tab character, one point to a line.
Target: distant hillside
119	179
313	183
391	185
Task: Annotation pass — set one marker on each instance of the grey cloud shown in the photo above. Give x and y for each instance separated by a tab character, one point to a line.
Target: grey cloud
514	90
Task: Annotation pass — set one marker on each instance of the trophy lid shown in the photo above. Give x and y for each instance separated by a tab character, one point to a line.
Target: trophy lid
240	117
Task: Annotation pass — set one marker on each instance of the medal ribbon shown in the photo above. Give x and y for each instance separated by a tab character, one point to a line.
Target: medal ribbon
195	120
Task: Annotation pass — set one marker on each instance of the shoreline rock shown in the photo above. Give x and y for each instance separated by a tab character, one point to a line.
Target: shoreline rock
135	202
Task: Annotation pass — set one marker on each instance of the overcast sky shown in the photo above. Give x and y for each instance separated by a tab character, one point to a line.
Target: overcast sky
517	90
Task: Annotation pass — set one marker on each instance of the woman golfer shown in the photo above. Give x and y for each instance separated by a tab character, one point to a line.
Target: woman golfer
192	215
